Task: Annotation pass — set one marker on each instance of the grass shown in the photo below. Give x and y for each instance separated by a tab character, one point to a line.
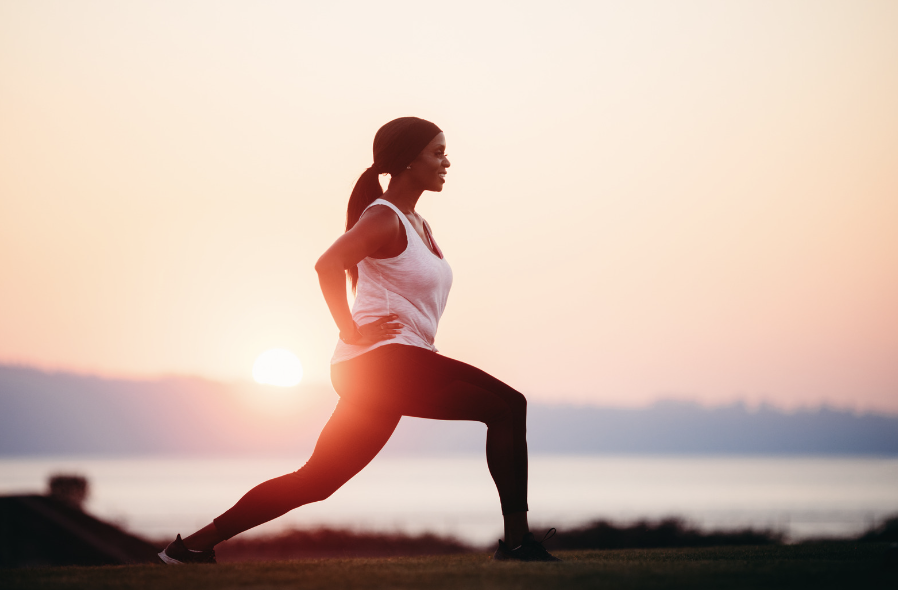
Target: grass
824	565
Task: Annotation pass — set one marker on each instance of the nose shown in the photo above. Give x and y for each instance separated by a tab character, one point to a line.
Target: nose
446	162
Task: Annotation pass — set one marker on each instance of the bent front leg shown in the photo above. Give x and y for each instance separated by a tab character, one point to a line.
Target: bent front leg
349	441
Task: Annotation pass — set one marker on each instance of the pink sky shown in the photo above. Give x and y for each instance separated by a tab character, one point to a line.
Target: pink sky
647	200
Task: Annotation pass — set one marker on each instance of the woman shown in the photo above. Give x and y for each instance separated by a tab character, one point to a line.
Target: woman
385	365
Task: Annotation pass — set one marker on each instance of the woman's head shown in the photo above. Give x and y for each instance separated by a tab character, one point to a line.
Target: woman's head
397	145
399	142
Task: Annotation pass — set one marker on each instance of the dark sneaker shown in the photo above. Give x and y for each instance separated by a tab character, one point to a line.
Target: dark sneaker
177	553
529	550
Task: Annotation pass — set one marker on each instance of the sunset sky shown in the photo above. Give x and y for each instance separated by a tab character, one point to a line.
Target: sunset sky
648	199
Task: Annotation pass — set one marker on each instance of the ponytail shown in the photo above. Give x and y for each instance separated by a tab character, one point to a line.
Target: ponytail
367	189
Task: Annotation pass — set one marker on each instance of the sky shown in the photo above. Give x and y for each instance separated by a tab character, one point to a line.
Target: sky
648	200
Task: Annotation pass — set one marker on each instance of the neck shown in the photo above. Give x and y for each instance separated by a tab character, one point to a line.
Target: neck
405	198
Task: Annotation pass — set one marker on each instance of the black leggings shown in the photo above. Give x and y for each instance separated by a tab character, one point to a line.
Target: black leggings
376	389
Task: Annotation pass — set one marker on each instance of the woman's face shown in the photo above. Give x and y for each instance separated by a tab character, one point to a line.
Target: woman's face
428	170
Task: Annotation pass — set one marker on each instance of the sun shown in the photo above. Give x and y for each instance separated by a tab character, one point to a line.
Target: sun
278	367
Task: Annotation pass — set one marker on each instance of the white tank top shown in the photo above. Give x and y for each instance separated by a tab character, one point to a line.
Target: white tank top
414	285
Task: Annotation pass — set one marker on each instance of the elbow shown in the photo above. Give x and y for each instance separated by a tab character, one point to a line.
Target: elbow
327	265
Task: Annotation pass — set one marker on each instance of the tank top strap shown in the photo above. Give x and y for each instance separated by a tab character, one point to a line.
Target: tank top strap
388	204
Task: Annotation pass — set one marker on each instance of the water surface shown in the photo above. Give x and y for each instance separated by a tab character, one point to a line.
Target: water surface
800	496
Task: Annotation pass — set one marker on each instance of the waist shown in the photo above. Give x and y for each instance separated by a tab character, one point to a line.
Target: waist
344	352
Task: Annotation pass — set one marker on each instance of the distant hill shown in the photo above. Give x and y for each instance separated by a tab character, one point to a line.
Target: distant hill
65	414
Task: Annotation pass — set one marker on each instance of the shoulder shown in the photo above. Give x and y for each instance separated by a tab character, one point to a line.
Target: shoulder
379	224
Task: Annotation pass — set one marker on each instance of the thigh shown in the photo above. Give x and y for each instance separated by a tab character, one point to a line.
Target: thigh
350	440
416	382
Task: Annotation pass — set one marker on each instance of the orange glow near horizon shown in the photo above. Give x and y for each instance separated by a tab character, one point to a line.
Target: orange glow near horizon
647	200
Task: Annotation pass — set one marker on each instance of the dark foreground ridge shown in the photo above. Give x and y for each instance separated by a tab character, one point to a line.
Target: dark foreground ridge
820	567
670	532
42	531
327	542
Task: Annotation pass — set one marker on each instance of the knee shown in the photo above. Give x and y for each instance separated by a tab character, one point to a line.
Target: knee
514	407
519	404
319	494
309	485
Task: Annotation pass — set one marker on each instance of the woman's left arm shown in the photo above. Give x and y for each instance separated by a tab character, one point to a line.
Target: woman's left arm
377	228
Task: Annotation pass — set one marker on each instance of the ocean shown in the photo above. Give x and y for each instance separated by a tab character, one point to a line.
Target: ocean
802	497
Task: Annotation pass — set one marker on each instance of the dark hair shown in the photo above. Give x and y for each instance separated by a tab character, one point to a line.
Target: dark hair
396	144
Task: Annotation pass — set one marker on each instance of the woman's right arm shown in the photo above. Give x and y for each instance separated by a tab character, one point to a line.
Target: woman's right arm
378	229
